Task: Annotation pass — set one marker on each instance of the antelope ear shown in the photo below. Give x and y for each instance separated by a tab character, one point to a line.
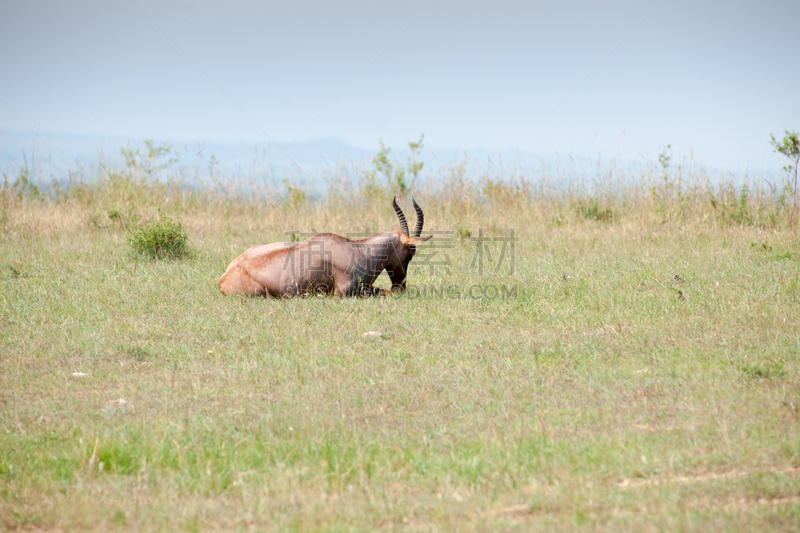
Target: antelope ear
413	241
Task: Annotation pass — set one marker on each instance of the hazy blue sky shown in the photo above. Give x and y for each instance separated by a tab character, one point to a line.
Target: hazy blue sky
585	76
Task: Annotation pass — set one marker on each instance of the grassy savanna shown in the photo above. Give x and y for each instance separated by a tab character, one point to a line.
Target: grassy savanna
643	374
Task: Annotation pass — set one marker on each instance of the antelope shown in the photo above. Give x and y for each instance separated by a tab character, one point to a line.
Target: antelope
326	263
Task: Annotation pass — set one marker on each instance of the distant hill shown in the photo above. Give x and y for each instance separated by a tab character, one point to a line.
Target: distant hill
82	149
311	161
312	156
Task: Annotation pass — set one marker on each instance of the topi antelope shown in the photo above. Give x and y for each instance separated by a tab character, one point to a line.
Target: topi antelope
326	263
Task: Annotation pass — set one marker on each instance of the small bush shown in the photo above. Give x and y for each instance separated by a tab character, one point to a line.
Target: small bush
591	210
164	239
734	209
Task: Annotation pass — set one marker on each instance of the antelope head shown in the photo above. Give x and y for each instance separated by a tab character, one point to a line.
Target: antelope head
398	263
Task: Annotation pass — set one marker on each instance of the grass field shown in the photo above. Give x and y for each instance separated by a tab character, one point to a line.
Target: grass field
640	371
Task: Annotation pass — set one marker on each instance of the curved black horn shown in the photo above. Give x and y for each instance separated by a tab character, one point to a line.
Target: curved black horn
403	223
420	218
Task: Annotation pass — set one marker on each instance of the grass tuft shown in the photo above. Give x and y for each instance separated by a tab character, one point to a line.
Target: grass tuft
764	371
162	239
591	210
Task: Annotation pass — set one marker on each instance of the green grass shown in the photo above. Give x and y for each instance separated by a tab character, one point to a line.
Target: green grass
609	393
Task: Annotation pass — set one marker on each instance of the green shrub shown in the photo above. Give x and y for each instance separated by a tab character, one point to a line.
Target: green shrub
164	239
591	210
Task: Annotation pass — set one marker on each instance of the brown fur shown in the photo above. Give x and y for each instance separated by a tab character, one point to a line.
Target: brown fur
325	263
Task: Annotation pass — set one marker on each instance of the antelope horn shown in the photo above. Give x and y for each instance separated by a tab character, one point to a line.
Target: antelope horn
403	223
420	218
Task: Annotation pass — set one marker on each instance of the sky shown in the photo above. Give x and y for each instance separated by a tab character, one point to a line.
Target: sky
609	78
